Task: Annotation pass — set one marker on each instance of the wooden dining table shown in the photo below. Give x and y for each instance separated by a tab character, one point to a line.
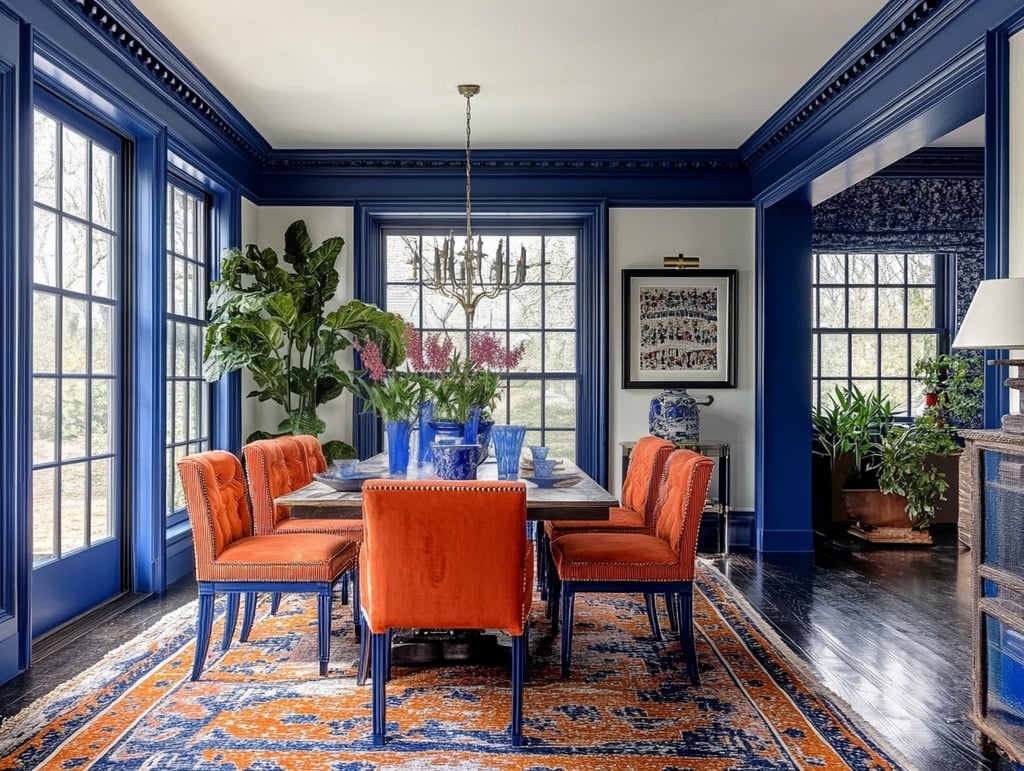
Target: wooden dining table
585	499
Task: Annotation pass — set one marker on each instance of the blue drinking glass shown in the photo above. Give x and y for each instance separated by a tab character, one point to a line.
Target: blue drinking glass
508	444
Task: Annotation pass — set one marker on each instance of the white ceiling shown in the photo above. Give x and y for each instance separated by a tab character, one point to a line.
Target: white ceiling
693	74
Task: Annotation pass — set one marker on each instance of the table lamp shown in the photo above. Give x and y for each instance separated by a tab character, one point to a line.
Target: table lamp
995	319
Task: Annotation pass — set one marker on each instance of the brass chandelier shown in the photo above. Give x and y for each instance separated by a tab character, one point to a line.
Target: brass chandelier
467	276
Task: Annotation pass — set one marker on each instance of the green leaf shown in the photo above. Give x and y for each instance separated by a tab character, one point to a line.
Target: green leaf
336	449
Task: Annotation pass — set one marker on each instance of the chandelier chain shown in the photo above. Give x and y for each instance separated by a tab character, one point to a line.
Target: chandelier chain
469	115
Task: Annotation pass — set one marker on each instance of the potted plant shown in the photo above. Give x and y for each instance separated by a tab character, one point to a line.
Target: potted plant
883	473
952	386
274	322
847	430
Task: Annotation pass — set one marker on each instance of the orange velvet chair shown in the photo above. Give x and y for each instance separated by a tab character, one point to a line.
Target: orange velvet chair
443	555
315	460
230	558
274	467
640	562
635	515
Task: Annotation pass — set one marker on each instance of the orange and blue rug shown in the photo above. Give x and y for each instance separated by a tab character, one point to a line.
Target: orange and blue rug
627	704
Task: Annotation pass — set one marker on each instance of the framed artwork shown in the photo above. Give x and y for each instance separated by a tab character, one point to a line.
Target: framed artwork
679	328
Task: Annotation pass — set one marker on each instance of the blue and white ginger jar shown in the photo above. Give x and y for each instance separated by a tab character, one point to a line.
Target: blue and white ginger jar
674	416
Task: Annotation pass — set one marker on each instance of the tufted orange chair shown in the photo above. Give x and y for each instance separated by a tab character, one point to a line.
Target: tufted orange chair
635	515
274	467
315	460
450	555
230	558
640	562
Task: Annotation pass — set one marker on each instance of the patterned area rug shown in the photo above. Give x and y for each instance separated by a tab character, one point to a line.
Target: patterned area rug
626	705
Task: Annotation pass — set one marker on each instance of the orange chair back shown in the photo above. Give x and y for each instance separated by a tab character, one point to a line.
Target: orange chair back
646	464
274	467
683	492
450	555
217	507
316	463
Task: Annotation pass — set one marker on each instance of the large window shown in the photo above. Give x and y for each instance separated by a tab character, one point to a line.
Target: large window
542	392
875	314
188	395
76	336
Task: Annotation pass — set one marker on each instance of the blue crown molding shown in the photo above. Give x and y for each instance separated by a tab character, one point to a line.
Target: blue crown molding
622	177
939	163
846	69
120	27
933	84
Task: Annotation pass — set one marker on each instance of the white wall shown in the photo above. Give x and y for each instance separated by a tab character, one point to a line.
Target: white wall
722	238
265	226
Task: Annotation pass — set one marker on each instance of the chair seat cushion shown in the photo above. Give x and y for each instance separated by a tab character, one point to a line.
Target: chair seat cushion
619	519
349	528
615	557
300	557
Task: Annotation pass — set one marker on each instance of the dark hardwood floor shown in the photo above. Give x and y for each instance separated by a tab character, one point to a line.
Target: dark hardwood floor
886	629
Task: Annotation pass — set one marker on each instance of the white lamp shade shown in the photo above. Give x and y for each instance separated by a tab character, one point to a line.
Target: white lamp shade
996	316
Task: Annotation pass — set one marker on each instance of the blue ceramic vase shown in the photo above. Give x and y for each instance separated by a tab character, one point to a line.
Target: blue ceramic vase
674	416
455	461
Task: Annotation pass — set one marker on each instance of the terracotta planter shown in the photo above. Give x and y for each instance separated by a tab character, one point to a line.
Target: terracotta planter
873	508
881	518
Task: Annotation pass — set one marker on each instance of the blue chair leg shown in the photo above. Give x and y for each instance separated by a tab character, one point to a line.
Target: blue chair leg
248	616
387	656
542	560
344	589
652	615
355	602
518	667
275	602
526	651
568	602
204	625
364	654
686	635
230	617
673	617
378	662
323	625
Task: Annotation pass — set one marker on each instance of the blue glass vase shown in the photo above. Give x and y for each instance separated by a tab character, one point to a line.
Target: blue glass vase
398	432
426	432
508	445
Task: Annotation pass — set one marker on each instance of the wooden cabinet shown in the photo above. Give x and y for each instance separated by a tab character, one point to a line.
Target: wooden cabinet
995	469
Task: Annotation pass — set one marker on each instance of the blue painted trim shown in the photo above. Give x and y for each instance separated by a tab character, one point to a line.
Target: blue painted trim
147	397
126	35
782	419
997	197
932	82
785	541
623	178
12	541
22	467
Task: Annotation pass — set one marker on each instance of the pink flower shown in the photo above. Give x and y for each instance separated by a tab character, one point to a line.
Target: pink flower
485	350
372	360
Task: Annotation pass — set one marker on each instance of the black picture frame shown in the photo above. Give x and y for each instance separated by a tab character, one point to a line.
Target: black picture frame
695	309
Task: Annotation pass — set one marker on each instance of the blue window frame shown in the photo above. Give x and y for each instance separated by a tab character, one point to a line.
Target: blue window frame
187	278
875	315
588	325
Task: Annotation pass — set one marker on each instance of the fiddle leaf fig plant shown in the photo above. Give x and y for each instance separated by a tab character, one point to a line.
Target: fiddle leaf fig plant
274	322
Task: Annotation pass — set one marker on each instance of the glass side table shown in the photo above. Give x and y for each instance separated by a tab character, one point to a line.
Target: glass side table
720	505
